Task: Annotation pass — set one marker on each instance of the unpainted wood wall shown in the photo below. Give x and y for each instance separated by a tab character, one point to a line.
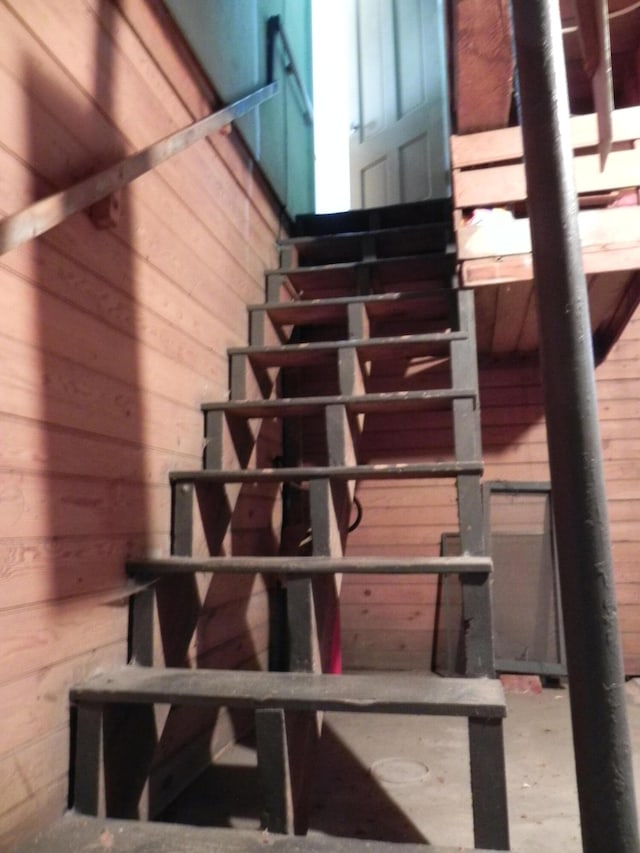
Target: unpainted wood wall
409	518
110	340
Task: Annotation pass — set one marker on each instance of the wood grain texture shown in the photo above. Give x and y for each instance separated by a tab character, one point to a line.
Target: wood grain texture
483	65
110	340
408	518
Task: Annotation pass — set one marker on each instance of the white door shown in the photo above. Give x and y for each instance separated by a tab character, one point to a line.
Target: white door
399	130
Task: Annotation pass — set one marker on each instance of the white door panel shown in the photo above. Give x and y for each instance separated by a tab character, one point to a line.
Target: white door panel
399	141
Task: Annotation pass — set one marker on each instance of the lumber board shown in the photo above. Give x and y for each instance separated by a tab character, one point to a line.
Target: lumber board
39	812
297	691
37	766
494	146
155	30
598	229
401	346
399	471
54	274
310	565
306	311
84	834
49	212
151	110
402	401
83	454
70	333
74	399
66	629
503	185
36	703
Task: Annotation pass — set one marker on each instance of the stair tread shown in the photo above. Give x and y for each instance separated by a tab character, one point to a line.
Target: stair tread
399	693
308	311
377	242
430	262
359	234
312	565
388	471
362	403
434	343
82	834
388	216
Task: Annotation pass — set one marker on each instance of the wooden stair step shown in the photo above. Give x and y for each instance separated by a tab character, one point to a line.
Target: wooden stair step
79	834
155	567
390	402
384	274
435	304
370	349
391	216
386	471
384	693
382	242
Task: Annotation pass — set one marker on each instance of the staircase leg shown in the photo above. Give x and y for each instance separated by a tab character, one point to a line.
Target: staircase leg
274	771
488	784
88	789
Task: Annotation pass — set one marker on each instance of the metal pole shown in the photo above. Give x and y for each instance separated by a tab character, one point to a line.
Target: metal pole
596	675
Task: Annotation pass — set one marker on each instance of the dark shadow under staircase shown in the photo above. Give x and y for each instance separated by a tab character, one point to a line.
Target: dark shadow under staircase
354	291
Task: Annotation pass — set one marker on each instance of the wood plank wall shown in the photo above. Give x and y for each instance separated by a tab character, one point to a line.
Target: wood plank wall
409	519
109	342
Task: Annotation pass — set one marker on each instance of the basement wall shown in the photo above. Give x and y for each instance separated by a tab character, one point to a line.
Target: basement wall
109	342
408	518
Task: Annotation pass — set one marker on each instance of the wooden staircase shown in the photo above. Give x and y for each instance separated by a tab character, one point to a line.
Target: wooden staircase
353	290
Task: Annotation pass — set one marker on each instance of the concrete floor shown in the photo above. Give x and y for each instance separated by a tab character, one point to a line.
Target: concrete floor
406	778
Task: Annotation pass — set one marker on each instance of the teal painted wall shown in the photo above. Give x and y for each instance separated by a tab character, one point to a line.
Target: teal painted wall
229	39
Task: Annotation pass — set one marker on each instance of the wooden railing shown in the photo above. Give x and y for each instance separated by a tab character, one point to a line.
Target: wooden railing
51	211
489	194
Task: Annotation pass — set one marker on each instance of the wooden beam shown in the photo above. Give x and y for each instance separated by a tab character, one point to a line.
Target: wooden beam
483	64
51	211
496	146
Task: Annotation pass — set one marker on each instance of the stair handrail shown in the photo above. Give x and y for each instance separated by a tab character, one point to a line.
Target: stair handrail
275	28
42	215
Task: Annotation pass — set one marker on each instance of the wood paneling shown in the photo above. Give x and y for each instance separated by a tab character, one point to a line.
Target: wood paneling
110	340
409	520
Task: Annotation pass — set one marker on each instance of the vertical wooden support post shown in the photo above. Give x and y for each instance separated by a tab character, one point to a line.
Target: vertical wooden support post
182	520
488	780
88	782
230	441
238	365
275	285
476	591
257	327
606	794
141	618
488	784
274	771
328	525
303	630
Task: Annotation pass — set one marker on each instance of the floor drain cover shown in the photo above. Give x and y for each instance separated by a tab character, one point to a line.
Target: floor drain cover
399	771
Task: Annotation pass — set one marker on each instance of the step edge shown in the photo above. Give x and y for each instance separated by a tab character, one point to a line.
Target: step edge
295	690
147	567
